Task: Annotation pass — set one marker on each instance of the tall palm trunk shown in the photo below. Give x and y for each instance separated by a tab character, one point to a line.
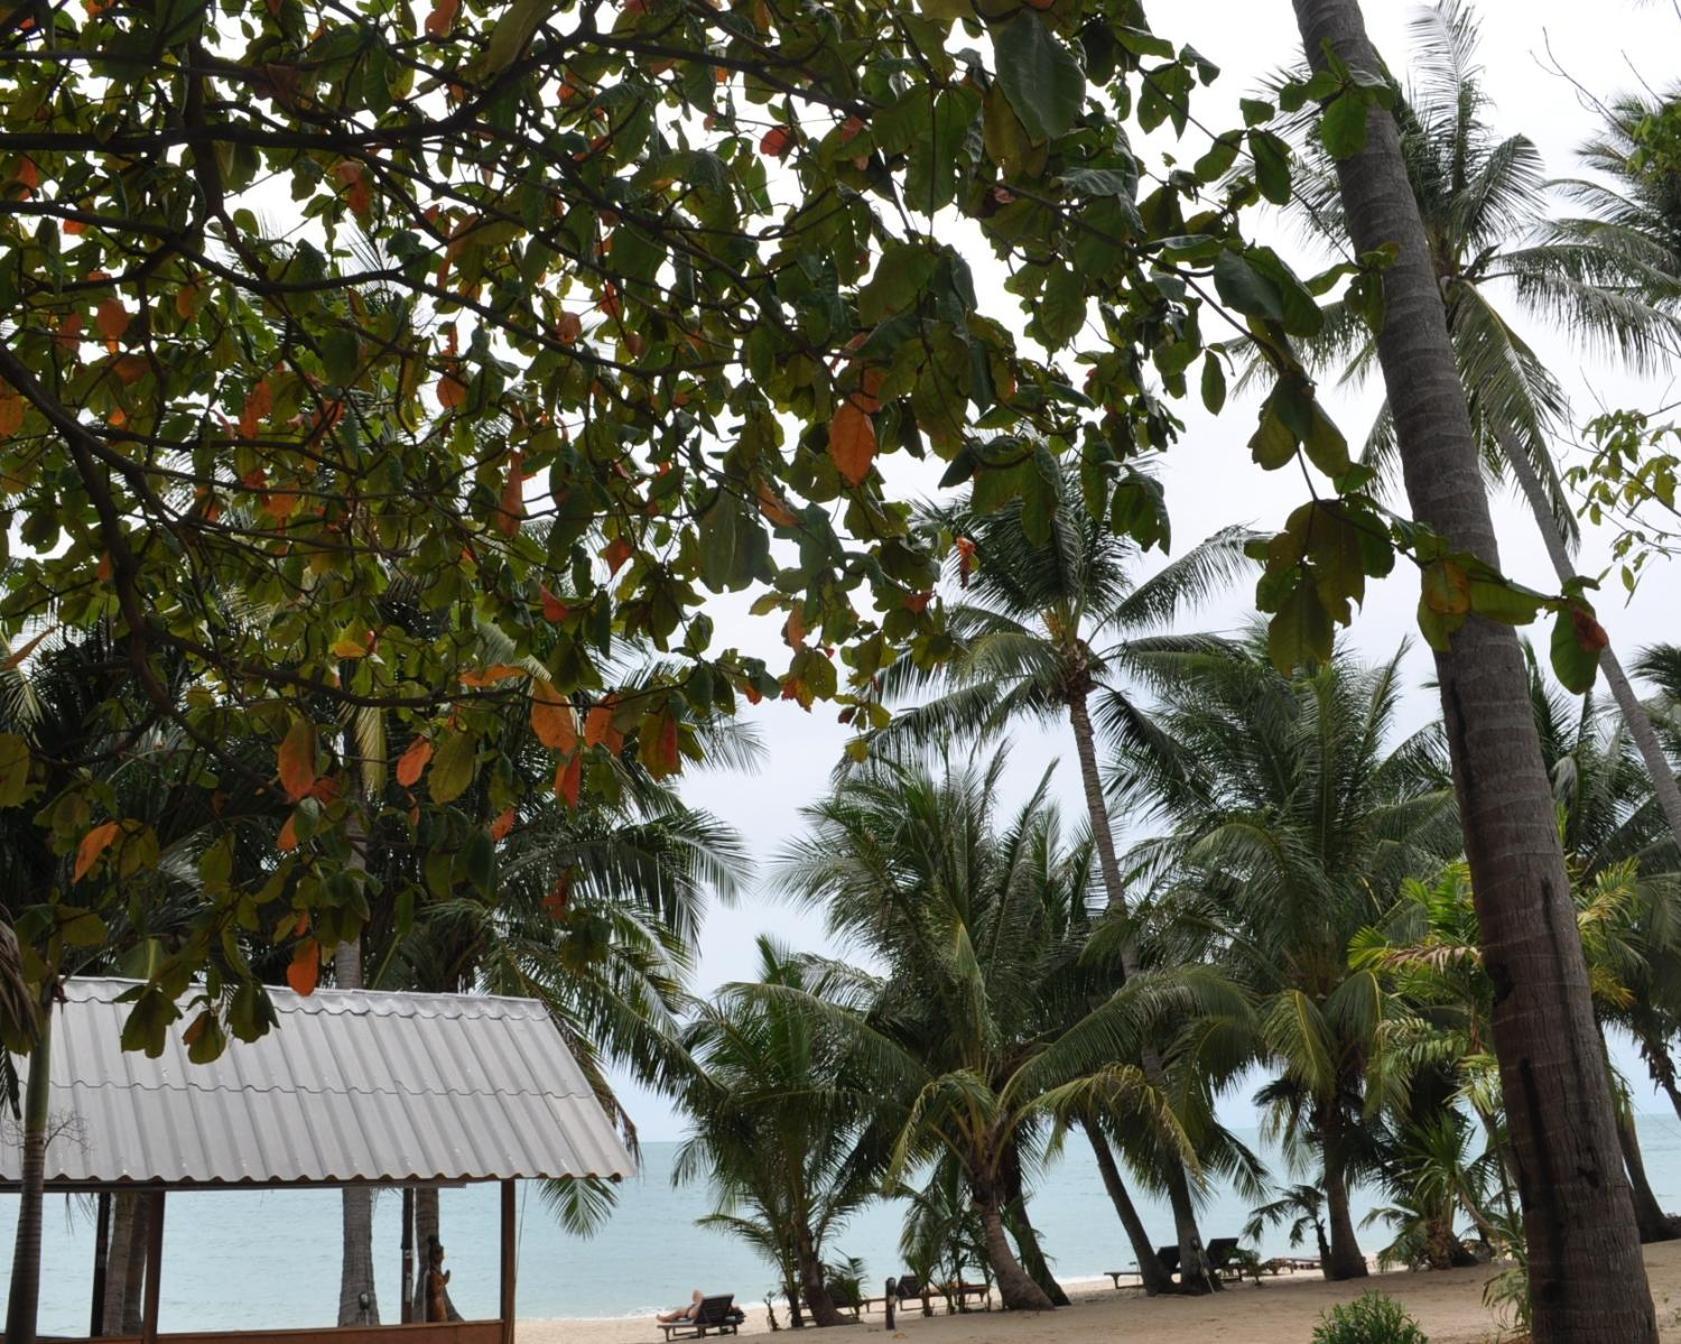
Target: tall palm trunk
125	1274
1194	1274
1653	1222
1346	1260
1015	1284
812	1288
23	1303
1587	1281
1150	1272
1634	713
356	1271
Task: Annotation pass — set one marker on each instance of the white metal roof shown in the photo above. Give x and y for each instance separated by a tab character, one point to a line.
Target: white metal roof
349	1086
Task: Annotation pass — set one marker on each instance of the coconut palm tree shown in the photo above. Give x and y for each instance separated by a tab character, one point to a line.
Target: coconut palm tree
1290	826
910	863
1052	630
1590	1285
1500	259
774	1124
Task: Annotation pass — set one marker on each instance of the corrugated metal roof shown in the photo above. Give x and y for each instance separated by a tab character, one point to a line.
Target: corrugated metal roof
350	1086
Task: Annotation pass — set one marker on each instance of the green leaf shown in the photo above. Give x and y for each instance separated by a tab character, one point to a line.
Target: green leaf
1138	509
1272	165
453	766
1213	383
1039	76
1255	110
1343	125
1062	308
14	769
1301	633
1272	444
1213	165
1241	286
1577	640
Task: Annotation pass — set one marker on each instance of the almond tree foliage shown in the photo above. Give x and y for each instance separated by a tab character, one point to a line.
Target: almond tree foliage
573	316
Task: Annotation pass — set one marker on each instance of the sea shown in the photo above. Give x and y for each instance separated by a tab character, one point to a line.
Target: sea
234	1259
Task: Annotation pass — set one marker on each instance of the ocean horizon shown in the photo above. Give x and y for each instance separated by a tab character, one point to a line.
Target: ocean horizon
270	1258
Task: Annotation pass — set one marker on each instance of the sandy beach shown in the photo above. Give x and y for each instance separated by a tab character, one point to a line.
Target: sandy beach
1448	1305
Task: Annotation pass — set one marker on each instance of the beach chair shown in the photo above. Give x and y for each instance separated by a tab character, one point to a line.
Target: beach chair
1220	1252
1169	1256
716	1314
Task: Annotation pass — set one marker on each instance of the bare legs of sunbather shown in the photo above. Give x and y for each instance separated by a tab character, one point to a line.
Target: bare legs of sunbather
681	1313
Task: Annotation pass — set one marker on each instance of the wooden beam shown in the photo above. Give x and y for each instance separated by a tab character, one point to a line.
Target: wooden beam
510	1262
154	1267
407	1313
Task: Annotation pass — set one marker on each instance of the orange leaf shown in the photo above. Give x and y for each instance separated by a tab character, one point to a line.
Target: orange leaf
568	328
132	368
28	174
777	141
502	825
551	717
1590	634
187	301
659	753
553	608
774	507
512	503
296	757
794	629
412	763
11	415
68	335
74	227
569	779
357	193
304	972
489	676
94	843
442	17
599	730
852	443
16	656
615	553
287	840
258	403
112	319
452	392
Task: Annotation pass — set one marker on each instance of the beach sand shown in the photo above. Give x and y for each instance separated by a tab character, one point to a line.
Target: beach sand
1447	1304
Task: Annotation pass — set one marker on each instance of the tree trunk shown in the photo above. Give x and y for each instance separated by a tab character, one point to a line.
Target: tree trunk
358	1299
1587	1281
812	1288
1020	1227
24	1301
1664	787
1015	1286
426	1226
1345	1261
1150	1272
1649	1216
125	1274
1194	1275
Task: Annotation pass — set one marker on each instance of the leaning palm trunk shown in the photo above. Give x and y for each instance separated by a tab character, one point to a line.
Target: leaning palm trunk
1634	713
1015	1284
23	1303
818	1299
1587	1280
1194	1274
1151	1275
1345	1260
1653	1222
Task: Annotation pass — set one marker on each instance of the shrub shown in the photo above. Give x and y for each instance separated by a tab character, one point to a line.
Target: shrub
1372	1319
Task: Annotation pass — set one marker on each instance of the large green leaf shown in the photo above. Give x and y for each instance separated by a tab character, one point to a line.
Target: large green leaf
1039	76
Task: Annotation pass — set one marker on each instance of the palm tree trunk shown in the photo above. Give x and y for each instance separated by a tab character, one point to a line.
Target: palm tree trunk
356	1270
426	1226
1346	1261
1020	1227
1150	1273
1587	1280
1653	1222
125	1265
1015	1286
812	1288
1194	1275
1634	713
24	1300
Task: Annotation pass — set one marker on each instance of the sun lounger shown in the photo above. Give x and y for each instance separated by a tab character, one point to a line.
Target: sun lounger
717	1314
1220	1252
1167	1255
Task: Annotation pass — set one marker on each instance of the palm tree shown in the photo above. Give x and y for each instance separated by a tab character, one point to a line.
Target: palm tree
774	1125
1302	1207
1484	200
1590	1285
1290	829
1052	631
909	864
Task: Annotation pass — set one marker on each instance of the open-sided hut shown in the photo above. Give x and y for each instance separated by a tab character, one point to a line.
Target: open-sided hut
349	1088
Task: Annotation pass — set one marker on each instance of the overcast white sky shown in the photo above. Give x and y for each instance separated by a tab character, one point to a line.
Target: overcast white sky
1209	478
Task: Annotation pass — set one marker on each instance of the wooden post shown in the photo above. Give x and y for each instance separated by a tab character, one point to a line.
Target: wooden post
510	1262
407	1314
890	1301
101	1259
154	1267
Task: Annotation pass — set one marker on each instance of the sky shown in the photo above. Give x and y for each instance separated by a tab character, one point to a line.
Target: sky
1529	47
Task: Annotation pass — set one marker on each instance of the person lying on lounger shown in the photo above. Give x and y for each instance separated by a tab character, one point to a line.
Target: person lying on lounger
681	1313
